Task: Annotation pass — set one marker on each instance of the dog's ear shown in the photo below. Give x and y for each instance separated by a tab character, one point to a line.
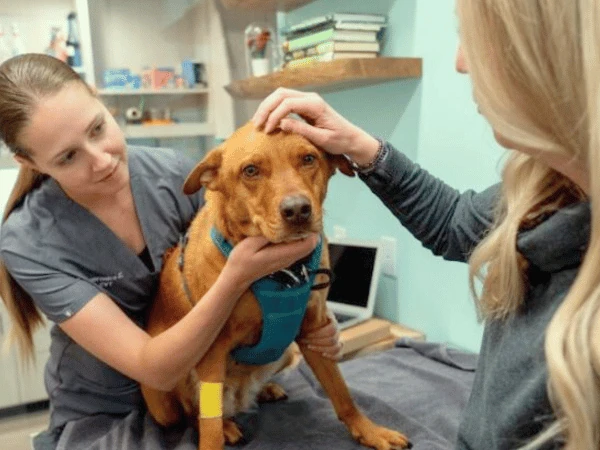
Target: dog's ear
206	173
341	163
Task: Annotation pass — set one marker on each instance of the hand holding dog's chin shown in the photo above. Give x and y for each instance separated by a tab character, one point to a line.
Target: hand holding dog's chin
256	257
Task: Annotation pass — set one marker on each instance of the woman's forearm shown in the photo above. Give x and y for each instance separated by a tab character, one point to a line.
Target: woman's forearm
172	354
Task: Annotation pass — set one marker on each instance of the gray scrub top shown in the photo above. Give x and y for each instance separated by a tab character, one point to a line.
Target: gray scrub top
63	256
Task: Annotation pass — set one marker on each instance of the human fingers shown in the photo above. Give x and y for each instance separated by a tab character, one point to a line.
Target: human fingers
256	257
331	350
325	340
271	102
279	256
309	106
252	244
335	353
318	136
326	335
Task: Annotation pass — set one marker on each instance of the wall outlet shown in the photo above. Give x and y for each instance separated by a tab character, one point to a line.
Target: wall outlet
339	232
388	266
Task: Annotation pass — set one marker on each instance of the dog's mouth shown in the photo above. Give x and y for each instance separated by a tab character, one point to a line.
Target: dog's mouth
280	233
294	237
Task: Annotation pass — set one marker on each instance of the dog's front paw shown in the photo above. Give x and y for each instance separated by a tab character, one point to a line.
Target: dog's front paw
271	392
377	437
231	431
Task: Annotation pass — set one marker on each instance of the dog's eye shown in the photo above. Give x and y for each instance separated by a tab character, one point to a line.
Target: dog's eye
309	159
250	171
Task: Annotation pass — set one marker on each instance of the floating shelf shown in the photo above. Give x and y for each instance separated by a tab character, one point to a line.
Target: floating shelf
329	76
189	129
265	5
165	91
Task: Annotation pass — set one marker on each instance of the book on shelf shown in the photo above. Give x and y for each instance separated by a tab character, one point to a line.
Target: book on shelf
364	26
333	46
363	334
329	34
314	22
302	62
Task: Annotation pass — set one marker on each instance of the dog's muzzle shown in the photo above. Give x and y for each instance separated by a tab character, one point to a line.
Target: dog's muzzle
296	209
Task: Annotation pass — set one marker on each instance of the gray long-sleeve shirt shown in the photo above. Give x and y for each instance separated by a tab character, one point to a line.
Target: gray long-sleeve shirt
509	403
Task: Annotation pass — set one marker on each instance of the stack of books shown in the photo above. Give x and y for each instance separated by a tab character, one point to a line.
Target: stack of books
333	36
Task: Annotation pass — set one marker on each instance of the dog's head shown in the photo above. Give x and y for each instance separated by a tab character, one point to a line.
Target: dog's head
272	184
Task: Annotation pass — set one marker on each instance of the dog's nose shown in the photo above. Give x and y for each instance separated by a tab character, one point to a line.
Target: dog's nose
296	209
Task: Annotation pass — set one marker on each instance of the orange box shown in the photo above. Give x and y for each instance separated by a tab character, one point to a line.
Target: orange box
157	78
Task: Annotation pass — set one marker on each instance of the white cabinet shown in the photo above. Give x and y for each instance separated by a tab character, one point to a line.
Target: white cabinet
9	394
20	384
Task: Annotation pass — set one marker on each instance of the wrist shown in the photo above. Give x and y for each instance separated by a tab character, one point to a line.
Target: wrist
234	280
364	150
365	165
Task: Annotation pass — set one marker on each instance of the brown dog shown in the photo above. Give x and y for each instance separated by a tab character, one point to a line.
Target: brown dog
272	185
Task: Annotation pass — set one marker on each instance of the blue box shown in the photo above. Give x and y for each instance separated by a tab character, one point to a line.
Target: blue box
134	82
116	78
187	72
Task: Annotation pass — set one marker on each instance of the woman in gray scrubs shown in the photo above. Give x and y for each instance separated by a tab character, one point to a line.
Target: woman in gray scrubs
534	240
82	238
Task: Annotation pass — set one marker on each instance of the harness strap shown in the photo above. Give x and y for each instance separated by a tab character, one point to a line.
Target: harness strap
183	240
325	284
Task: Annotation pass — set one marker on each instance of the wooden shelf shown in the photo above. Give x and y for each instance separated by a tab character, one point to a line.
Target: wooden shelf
329	76
265	5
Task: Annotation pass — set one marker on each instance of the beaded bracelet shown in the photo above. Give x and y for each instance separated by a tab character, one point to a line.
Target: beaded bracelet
368	168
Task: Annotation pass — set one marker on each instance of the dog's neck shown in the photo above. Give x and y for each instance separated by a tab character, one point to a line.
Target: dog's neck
230	232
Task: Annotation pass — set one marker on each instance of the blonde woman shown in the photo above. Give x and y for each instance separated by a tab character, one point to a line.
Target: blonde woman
82	240
532	241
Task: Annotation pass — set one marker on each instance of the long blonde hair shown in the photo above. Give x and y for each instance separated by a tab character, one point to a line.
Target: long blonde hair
535	68
24	80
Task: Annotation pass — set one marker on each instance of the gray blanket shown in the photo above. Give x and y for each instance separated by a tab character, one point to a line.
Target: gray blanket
418	388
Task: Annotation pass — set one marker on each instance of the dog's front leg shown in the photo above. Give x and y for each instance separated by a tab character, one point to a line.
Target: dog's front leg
211	376
328	373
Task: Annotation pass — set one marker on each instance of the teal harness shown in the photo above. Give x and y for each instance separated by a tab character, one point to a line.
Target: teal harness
283	297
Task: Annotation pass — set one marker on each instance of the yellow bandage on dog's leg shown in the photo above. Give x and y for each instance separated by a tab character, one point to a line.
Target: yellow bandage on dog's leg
211	400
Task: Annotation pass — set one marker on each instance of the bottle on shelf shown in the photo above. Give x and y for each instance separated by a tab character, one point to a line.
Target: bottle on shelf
18	47
73	45
58	44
